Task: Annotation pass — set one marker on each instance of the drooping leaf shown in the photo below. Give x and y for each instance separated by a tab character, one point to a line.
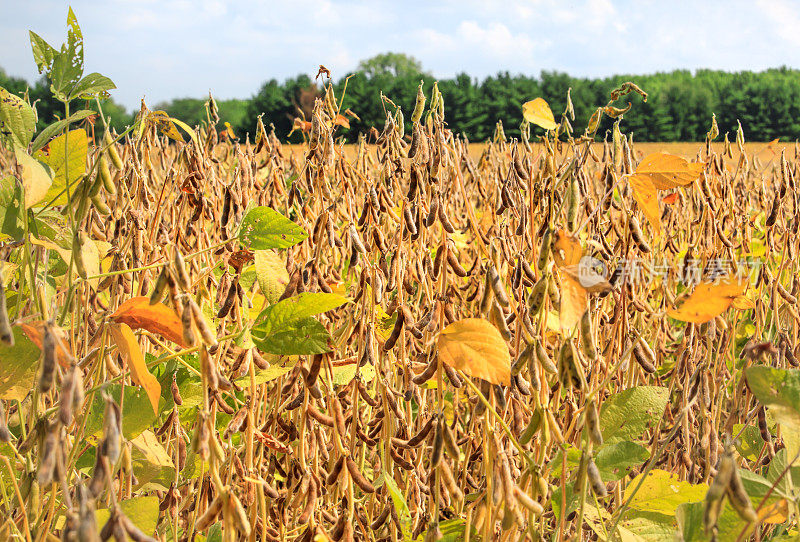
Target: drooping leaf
12	208
58	126
19	365
138	313
779	391
129	350
708	300
567	249
667	171
165	125
573	302
627	414
265	228
646	195
35	331
271	273
662	492
67	158
399	501
475	346
538	112
17	120
36	179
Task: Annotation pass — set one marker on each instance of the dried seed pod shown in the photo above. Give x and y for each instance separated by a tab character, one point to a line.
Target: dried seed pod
740	501
186	323
536	297
358	478
593	424
181	276
176	392
208	517
544	251
497	286
638	236
160	287
355	238
438	443
596	481
716	491
587	339
5	434
543	358
639	354
208	335
444	220
48	369
391	340
525	500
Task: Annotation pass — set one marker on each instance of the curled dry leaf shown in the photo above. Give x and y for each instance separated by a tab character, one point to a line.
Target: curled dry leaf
475	346
708	300
129	350
138	313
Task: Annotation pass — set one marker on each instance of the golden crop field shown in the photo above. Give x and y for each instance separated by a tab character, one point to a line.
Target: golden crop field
416	339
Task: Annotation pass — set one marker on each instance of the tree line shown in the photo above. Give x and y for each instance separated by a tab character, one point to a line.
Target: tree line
679	105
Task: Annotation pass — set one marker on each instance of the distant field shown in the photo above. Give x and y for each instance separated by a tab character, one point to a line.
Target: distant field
764	150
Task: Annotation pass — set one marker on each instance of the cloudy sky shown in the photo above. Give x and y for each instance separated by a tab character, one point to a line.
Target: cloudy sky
164	49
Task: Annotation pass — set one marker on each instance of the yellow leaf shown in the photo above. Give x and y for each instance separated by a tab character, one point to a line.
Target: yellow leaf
567	249
165	125
132	354
709	300
775	513
667	171
138	313
475	346
743	303
645	194
271	273
538	112
35	178
66	156
573	302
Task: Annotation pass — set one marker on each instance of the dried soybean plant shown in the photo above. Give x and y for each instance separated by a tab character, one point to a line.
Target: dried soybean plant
407	339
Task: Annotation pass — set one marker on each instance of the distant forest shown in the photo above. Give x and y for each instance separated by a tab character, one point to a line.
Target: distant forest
679	105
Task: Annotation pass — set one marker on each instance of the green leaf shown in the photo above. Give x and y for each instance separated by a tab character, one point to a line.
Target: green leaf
266	375
649	526
749	443
785	483
142	511
18	366
43	52
287	328
17	120
662	492
67	66
91	85
36	178
403	513
690	523
615	460
67	158
12	207
57	127
626	415
137	412
264	228
779	391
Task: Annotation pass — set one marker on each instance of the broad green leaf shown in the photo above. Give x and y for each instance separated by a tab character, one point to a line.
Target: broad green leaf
263	376
690	523
779	391
67	159
649	526
475	346
17	119
142	511
662	492
271	273
44	136
137	412
615	459
36	179
626	415
264	228
403	513
67	66
12	208
90	85
18	366
749	443
287	327
788	483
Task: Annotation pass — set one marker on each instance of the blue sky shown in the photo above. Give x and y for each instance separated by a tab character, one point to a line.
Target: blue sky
165	49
